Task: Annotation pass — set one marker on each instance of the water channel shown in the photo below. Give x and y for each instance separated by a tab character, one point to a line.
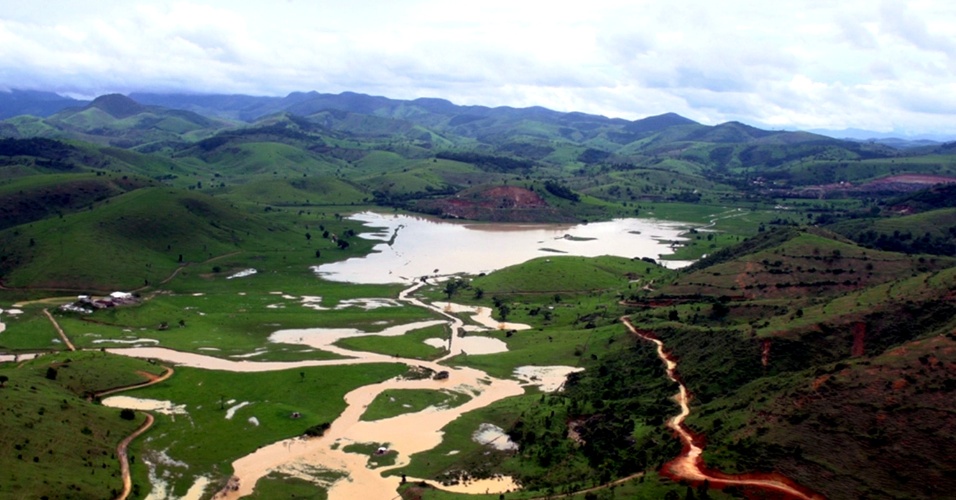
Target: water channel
412	247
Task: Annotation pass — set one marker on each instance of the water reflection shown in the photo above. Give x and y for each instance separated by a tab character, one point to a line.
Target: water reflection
416	246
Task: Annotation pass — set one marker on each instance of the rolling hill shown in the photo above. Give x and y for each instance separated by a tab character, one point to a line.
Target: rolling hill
126	241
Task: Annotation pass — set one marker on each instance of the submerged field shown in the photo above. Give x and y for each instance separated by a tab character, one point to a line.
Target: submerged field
521	382
264	356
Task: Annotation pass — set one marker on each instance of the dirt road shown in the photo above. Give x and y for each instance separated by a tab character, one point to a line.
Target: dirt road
689	465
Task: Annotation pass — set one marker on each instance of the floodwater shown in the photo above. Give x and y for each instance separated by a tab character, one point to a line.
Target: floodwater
413	247
405	434
9	312
416	246
481	315
159	406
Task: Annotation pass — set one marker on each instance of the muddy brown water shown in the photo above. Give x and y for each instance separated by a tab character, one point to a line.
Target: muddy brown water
414	246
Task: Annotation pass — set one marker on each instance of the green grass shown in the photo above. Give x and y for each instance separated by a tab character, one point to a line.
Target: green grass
55	442
278	485
410	345
29	332
304	192
233	323
394	402
134	239
565	274
375	460
562	347
209	442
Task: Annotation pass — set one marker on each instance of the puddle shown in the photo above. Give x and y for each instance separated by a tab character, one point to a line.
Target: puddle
126	341
481	315
472	344
243	273
547	378
494	436
231	411
159	406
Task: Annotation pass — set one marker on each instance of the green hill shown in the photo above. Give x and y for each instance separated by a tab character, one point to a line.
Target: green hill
118	120
932	232
797	263
55	442
135	238
33	198
566	274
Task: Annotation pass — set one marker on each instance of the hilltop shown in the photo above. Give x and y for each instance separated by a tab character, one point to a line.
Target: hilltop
813	328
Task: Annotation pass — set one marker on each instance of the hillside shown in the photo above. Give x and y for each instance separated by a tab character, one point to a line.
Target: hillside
118	121
221	141
804	264
37	197
55	442
864	366
16	102
814	332
126	241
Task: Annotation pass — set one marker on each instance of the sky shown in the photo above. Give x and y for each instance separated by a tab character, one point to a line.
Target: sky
813	64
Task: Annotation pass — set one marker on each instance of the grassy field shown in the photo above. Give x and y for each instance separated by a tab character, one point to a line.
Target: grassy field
410	345
571	303
394	402
209	441
56	442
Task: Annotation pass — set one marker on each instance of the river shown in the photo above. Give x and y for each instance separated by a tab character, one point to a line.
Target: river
411	247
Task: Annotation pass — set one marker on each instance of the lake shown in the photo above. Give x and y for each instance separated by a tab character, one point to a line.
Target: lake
414	246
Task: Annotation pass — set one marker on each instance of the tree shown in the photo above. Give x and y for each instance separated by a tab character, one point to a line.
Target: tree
450	287
3	380
503	311
308	236
318	253
51	373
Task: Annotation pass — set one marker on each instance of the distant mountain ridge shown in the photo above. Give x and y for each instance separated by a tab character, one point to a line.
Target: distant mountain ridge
311	128
249	108
33	102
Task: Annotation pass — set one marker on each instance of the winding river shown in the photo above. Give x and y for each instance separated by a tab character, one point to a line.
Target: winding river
425	247
405	434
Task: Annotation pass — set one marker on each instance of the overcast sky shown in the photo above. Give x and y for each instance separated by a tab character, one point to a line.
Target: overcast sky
887	66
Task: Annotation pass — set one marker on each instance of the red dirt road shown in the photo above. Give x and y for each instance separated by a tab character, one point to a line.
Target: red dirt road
121	452
689	465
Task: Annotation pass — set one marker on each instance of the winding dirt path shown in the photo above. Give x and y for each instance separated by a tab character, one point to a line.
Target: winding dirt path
153	379
121	453
66	341
689	465
122	447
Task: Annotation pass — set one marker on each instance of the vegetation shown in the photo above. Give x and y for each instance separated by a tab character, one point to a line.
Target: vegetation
814	332
54	440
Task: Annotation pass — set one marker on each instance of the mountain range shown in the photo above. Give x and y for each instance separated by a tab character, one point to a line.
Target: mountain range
247	108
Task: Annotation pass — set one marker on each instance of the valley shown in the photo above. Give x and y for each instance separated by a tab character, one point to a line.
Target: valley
346	296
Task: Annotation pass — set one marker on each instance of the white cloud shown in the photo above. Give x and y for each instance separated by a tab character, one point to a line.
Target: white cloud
798	64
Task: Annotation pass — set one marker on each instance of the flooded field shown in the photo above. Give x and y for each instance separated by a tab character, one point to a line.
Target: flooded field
416	246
